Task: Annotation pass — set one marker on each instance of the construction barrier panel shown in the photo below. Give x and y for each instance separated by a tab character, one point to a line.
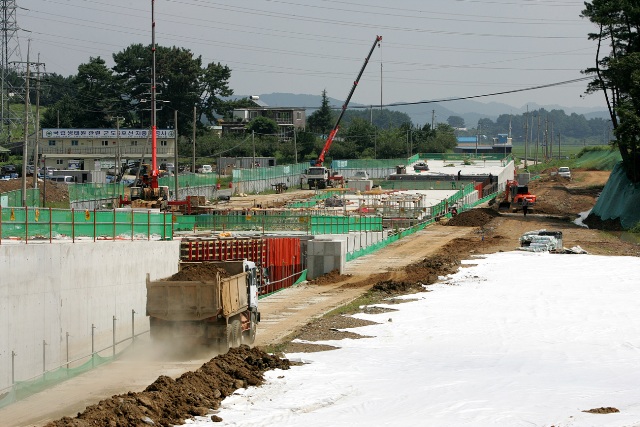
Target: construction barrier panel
27	224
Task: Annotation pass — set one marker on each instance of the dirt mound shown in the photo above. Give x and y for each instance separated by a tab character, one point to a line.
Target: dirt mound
199	272
168	402
593	221
603	410
473	218
331	277
55	192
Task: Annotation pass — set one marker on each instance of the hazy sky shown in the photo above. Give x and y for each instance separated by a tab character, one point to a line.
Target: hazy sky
430	49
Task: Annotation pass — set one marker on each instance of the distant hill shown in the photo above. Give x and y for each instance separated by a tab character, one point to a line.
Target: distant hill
471	111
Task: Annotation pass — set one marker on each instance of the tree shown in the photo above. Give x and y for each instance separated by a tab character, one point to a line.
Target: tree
99	95
263	126
617	73
456	121
181	81
321	120
62	114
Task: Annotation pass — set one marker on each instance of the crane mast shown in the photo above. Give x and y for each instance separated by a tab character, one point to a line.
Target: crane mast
334	131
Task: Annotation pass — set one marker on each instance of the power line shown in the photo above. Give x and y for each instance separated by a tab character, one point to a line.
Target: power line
397	104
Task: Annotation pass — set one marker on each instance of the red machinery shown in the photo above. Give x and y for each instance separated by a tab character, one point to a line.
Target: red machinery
514	194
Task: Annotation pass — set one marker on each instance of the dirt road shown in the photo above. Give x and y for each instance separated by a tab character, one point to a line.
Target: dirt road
288	311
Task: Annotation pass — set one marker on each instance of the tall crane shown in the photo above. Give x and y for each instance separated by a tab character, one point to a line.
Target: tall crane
334	131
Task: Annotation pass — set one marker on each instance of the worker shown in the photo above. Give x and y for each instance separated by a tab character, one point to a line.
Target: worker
459	174
453	181
525	206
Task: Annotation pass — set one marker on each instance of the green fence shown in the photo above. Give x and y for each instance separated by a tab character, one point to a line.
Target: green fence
14	198
45	224
92	191
286	221
367	163
23	389
274	172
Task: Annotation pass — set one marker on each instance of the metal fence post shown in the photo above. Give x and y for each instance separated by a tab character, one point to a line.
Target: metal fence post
13	367
67	350
133	325
44	357
113	353
26	225
93	353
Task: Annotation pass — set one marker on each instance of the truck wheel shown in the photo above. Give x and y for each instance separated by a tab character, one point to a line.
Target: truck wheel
224	343
249	337
236	333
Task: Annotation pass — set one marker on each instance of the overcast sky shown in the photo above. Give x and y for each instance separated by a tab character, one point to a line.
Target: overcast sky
430	50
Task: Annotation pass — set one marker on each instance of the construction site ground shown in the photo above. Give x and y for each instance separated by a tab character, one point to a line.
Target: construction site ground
117	390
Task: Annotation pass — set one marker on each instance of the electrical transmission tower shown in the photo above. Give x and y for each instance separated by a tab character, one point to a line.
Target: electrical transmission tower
13	90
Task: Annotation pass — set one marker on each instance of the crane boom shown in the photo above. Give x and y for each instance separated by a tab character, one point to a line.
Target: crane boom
334	131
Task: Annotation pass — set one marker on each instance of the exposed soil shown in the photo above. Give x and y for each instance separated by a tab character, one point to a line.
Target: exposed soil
473	218
55	192
607	410
482	231
168	402
199	272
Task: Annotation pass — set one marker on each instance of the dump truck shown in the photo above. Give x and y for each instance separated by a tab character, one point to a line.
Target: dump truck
210	303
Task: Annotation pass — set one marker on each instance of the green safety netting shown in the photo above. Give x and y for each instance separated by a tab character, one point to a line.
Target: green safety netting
286	221
367	163
35	223
92	191
14	198
274	172
23	389
619	199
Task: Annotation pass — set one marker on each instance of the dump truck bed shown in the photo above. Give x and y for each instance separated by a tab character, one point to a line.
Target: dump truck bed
197	300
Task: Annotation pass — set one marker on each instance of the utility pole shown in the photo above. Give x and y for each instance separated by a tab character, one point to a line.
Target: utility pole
433	118
175	151
538	140
118	166
193	139
295	146
546	137
551	143
526	137
253	142
26	133
36	160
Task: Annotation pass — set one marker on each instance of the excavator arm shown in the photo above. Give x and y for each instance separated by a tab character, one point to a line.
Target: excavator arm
334	131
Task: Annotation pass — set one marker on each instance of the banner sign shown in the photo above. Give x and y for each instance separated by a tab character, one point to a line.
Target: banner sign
106	133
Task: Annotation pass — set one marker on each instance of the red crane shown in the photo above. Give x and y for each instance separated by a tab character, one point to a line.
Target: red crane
334	131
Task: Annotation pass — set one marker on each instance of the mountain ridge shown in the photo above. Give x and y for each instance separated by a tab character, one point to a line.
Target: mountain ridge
426	111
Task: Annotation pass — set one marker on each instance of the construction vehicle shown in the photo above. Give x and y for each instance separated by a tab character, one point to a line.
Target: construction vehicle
319	176
514	194
220	311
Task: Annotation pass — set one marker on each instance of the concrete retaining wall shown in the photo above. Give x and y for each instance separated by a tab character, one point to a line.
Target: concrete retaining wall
328	252
49	290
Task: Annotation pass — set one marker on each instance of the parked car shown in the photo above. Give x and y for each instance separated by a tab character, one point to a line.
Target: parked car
205	169
564	172
421	166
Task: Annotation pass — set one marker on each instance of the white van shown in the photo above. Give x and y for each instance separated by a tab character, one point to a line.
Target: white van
66	179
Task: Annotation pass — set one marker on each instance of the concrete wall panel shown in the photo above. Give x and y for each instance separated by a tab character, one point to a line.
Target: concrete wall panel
49	290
